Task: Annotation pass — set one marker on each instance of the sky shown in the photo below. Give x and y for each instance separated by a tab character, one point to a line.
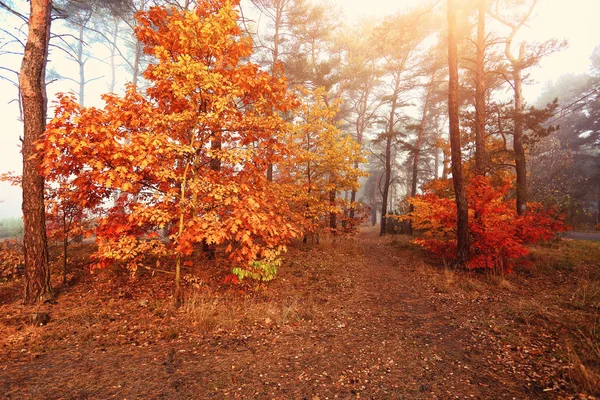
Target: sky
573	20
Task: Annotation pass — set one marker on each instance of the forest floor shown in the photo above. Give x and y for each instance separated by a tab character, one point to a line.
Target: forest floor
367	317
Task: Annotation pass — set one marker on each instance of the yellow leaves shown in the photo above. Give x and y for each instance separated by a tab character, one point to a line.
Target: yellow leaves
253	204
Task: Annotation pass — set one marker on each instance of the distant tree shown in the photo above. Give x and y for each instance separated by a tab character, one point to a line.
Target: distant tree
362	80
527	57
397	40
321	164
429	97
576	143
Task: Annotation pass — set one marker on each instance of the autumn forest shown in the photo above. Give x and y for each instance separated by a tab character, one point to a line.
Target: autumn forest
262	199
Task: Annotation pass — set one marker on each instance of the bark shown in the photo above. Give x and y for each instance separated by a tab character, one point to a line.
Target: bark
386	184
332	214
32	87
215	165
65	254
480	111
437	163
519	148
462	251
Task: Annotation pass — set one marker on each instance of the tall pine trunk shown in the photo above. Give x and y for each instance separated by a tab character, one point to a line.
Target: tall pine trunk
480	112
386	185
520	162
32	86
462	251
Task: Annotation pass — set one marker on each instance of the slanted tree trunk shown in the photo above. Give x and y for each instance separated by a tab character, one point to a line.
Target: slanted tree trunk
32	86
462	253
480	112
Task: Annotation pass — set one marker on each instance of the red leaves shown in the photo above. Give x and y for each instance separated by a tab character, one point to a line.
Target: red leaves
498	236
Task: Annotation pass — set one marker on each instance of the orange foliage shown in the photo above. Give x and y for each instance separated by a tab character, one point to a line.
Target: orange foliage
11	258
189	155
498	236
321	162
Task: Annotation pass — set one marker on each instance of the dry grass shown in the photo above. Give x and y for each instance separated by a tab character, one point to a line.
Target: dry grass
206	311
582	378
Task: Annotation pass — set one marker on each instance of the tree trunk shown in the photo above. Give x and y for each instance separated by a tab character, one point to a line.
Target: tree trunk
65	254
215	165
415	166
279	5
32	86
360	129
332	214
518	144
480	112
462	251
81	63
437	163
113	55
386	184
388	157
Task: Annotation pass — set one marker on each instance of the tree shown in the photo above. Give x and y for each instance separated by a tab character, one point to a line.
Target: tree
428	99
361	74
526	58
32	85
322	163
191	154
499	235
397	40
572	153
462	220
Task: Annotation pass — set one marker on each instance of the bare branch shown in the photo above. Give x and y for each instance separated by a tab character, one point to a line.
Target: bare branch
13	11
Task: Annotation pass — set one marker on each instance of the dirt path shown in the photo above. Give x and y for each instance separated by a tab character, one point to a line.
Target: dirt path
361	320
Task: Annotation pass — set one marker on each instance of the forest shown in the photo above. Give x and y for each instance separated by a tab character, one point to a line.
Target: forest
264	199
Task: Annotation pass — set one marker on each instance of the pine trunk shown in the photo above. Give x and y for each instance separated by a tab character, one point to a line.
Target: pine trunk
520	162
386	185
32	87
462	251
480	111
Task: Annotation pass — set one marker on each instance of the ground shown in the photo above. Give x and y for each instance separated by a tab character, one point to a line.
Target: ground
366	317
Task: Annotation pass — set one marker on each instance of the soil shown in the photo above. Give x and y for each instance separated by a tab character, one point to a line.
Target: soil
367	317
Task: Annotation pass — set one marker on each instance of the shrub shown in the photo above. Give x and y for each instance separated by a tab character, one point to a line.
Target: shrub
498	236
